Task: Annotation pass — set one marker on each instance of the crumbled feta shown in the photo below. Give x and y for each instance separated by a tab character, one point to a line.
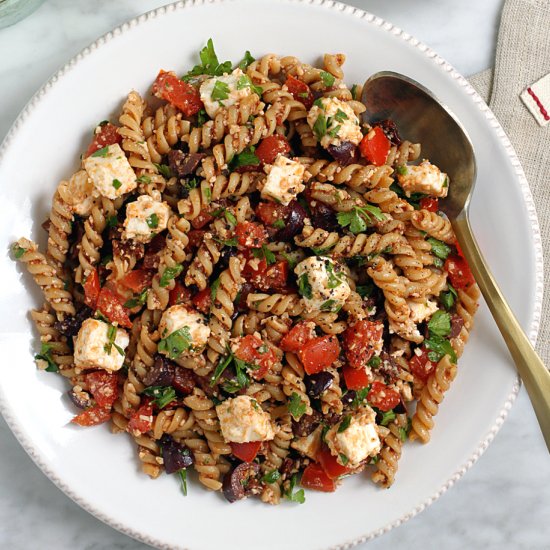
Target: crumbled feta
356	442
80	193
323	286
310	444
284	180
180	316
93	349
421	311
110	172
342	124
242	419
145	218
232	88
425	178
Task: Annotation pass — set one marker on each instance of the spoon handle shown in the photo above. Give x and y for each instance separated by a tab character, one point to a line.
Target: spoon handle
534	374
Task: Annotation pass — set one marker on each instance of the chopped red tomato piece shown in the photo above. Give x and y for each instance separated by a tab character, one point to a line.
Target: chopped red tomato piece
300	91
459	272
93	416
246	451
203	300
103	386
330	465
141	420
179	294
314	477
429	203
383	397
360	341
138	280
196	236
106	135
264	277
420	365
251	234
177	92
91	289
110	306
204	218
298	335
375	146
356	379
271	212
253	350
270	147
319	353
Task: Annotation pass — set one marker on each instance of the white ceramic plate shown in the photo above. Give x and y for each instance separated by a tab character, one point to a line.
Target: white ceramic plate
100	471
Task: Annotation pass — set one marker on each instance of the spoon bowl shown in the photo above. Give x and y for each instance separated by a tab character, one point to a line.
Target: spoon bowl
423	119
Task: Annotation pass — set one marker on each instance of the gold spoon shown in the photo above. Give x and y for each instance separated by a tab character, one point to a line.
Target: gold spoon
423	118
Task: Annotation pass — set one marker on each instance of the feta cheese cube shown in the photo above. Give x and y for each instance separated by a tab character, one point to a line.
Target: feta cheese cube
110	172
224	91
323	286
425	178
100	345
195	328
421	311
79	193
284	180
145	218
242	419
338	122
356	442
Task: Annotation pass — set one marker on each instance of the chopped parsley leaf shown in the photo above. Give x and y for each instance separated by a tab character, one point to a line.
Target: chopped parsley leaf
272	476
117	184
245	82
401	169
164	170
170	273
162	395
209	63
387	417
360	397
202	117
358	217
440	323
343	458
327	78
220	91
340	116
214	289
304	287
365	290
103	152
153	221
246	61
447	299
112	221
46	355
331	305
344	424
176	343
320	126
18	251
136	301
144	179
297	496
296	407
439	347
246	158
264	253
440	249
183	477
279	224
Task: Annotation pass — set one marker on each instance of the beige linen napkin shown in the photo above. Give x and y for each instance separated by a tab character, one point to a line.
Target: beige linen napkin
523	57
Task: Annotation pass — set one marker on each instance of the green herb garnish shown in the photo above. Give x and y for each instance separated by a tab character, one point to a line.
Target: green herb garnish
214	289
387	417
103	152
136	301
117	184
144	179
46	355
169	274
220	91
246	158
162	395
17	251
176	343
320	126
296	407
440	323
272	476
279	224
331	305
153	221
365	290
358	217
304	287
164	170
374	362
209	63
202	117
447	299
183	477
340	116
343	458
401	169
327	78
344	424
264	253
111	336
297	496
246	61
439	249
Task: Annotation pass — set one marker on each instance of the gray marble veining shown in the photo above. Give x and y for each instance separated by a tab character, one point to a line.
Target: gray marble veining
502	503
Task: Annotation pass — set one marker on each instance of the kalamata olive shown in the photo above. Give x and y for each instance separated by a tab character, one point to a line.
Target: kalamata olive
345	153
306	424
236	482
80	398
161	373
294	222
70	326
323	216
457	322
128	249
223	263
182	164
400	408
241	305
316	384
175	455
390	130
75	238
388	367
151	258
348	397
184	380
331	418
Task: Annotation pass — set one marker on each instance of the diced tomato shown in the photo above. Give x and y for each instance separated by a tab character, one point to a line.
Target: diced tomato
314	477
319	353
383	397
300	91
253	350
356	379
107	135
330	465
179	294
93	416
270	147
138	280
459	272
298	335
111	307
196	236
429	203
375	146
420	365
204	218
177	92
103	386
141	420
251	234
360	341
91	289
270	212
264	277
246	451
203	300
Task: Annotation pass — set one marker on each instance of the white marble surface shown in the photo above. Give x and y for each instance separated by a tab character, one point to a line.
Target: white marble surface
503	503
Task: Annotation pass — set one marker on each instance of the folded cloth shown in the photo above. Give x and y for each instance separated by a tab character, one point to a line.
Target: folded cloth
522	58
